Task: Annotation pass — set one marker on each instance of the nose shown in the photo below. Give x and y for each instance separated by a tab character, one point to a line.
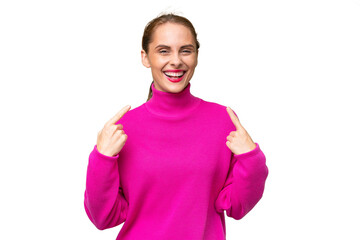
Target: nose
175	60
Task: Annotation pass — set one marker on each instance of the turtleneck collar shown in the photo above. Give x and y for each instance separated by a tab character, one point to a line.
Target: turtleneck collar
172	105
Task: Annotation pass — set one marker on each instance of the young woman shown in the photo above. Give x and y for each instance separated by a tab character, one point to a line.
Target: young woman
170	168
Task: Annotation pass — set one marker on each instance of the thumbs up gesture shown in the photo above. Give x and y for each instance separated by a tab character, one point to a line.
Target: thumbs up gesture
112	138
238	141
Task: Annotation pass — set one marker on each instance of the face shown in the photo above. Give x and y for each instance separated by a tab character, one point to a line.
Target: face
172	57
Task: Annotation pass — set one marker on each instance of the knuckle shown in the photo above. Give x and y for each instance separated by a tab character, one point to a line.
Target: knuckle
124	137
118	133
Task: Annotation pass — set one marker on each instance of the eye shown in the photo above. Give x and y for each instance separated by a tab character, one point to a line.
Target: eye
186	51
163	51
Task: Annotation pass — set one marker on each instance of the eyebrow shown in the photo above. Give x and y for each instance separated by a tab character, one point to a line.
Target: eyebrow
165	46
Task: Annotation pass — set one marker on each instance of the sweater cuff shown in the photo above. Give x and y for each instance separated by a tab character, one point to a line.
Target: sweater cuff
102	156
251	153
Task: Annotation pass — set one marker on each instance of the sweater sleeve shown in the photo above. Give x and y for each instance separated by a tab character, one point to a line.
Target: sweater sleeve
244	185
104	202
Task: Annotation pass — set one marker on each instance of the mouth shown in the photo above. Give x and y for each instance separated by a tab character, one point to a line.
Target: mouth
174	75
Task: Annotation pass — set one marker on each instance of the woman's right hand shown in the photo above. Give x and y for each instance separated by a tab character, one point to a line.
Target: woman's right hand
111	139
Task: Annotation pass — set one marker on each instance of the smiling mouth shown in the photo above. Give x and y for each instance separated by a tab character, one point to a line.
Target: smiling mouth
174	75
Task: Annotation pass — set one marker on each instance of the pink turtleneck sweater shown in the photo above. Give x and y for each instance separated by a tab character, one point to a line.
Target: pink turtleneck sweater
175	176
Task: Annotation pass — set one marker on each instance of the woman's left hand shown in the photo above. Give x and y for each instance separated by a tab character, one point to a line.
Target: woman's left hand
238	141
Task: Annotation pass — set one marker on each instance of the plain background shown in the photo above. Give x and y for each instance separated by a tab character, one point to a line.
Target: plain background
289	69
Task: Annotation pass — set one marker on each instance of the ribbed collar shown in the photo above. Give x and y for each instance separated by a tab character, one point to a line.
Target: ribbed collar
172	105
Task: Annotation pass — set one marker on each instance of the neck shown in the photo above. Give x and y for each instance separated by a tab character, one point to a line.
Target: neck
171	105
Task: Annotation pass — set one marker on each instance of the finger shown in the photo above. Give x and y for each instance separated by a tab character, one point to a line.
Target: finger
122	140
115	128
234	118
119	133
119	115
119	126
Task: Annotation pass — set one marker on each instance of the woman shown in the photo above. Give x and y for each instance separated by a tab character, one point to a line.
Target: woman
170	168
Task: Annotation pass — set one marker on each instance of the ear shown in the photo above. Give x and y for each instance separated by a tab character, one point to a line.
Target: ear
145	59
197	55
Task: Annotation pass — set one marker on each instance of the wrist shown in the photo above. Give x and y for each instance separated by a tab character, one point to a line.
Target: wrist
105	153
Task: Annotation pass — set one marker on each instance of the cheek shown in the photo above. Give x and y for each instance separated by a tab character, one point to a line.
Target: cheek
158	63
192	62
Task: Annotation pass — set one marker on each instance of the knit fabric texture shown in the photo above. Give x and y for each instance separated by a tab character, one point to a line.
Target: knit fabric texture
175	177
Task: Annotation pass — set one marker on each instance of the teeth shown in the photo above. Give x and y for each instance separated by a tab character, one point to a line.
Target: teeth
174	74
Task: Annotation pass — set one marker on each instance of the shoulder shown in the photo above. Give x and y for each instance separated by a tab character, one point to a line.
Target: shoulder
214	108
217	112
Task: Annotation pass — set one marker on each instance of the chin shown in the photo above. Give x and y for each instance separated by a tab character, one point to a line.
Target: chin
176	87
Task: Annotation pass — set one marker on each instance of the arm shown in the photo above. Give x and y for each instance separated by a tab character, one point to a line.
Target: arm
244	185
104	201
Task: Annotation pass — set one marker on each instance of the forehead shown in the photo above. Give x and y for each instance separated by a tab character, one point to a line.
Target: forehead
172	34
